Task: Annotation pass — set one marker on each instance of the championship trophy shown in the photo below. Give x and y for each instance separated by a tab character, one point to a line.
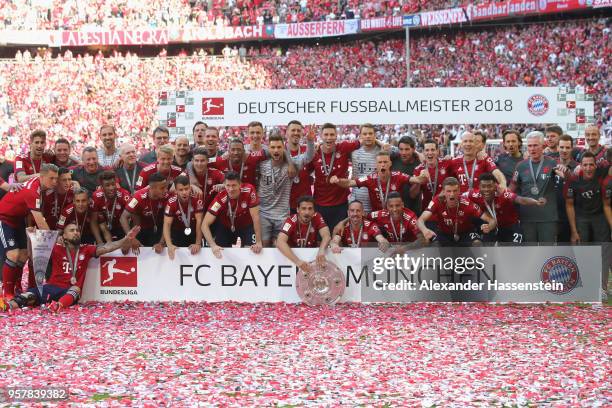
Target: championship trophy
41	242
321	285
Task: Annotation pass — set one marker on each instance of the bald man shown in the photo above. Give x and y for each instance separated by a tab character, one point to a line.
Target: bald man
182	152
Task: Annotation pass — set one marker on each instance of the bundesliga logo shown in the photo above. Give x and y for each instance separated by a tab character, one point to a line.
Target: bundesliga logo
213	106
537	105
119	271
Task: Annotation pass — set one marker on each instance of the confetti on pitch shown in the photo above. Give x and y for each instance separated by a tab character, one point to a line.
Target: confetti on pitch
234	354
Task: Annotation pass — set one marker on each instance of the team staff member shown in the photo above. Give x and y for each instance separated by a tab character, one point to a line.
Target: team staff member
183	218
566	147
130	168
88	173
161	137
15	206
302	230
513	145
455	217
146	209
235	213
535	178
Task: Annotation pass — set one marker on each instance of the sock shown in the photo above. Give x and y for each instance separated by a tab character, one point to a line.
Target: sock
10	271
66	300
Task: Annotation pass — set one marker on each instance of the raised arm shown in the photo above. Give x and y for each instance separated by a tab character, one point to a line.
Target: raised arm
114	245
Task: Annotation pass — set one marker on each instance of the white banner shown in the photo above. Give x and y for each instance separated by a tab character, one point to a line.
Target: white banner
443	17
269	277
316	29
179	110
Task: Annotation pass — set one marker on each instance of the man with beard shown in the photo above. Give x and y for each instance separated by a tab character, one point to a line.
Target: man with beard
552	135
302	230
565	150
162	166
54	201
357	232
274	187
584	203
108	155
235	213
182	155
130	168
78	213
245	164
507	161
28	166
408	161
379	184
456	217
501	205
107	205
62	156
69	262
183	219
15	206
592	136
88	173
145	210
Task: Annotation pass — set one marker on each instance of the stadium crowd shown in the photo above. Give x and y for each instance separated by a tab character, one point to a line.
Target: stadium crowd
80	93
92	14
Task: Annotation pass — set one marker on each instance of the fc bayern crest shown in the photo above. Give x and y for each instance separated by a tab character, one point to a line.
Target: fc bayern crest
537	105
563	270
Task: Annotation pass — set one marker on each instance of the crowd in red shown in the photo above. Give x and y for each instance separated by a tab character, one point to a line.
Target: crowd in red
72	96
72	14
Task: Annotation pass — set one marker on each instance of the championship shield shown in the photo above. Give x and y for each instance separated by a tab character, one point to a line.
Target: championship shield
42	242
320	286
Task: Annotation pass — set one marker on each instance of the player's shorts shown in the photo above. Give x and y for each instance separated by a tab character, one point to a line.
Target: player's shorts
181	240
49	293
270	228
512	233
12	238
332	215
225	238
148	237
467	238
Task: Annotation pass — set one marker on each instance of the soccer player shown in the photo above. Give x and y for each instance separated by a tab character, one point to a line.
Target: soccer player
108	155
211	142
145	210
183	219
182	153
566	147
455	217
88	174
204	179
364	163
245	164
236	213
107	205
584	195
161	137
14	208
332	159
407	162
28	166
534	178
506	162
501	205
398	224
199	130
78	213
437	171
469	167
62	156
380	184
302	183
55	200
130	168
69	263
357	232
274	187
163	166
7	168
302	230
255	132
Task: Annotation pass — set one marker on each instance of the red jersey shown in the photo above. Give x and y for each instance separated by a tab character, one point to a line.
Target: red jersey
404	231
369	231
70	216
150	211
145	173
99	204
24	163
54	204
61	270
247	170
240	208
208	181
377	189
16	205
303	235
460	216
474	169
506	214
327	194
430	189
174	207
302	183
